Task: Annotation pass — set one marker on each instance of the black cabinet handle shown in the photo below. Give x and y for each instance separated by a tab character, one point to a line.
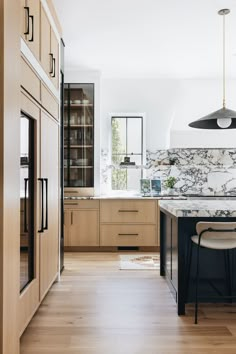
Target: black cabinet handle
25	206
42	206
46	192
32	22
51	63
128	234
54	67
27	14
127	211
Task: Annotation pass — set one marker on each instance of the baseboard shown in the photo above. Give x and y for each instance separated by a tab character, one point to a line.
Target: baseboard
108	249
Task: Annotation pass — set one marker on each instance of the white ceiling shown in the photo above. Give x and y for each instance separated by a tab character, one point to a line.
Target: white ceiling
151	38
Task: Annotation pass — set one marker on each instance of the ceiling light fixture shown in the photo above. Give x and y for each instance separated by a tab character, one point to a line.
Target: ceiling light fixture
224	118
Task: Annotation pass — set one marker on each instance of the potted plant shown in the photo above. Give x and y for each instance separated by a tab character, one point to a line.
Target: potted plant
169	184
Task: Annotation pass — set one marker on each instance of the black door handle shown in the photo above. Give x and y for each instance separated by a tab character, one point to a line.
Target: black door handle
27	14
32	22
25	206
51	63
41	230
54	67
46	192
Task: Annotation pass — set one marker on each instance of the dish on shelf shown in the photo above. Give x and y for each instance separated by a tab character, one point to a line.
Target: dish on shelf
85	101
81	162
76	102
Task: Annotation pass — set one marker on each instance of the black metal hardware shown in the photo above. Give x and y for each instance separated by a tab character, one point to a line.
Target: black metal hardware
25	206
54	67
71	219
128	234
51	63
127	211
46	218
41	230
27	13
32	22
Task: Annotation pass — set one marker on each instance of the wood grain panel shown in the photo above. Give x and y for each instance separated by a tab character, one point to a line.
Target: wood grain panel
45	42
81	204
128	211
49	102
9	174
33	39
49	240
128	235
84	229
29	80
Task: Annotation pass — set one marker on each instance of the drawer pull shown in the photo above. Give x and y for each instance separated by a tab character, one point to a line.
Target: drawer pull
72	192
71	203
127	211
128	234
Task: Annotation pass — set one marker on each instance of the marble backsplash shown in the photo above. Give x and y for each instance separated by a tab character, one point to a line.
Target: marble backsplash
197	171
204	171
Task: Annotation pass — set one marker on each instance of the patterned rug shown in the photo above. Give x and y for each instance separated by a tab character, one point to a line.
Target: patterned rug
140	261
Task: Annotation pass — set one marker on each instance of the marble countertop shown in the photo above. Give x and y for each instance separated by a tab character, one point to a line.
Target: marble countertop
200	208
110	197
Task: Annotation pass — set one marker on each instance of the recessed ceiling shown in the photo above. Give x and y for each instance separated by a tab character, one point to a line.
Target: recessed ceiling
151	38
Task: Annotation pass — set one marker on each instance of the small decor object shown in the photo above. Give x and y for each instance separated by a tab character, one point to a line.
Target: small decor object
169	184
127	162
156	186
145	187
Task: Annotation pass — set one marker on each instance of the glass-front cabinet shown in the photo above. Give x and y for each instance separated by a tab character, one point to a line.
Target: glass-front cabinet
79	137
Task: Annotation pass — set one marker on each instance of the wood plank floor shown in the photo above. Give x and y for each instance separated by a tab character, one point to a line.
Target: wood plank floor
99	309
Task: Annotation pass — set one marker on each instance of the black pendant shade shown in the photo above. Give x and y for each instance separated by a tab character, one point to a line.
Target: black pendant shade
210	121
224	118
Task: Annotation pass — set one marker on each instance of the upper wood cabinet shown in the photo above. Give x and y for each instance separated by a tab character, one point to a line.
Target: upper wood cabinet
30	24
49	49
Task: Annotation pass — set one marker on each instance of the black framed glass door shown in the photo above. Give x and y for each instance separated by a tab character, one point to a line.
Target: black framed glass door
27	168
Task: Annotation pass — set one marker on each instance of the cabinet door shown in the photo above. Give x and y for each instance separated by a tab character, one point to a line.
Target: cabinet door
49	240
34	27
55	53
23	18
46	58
84	228
67	224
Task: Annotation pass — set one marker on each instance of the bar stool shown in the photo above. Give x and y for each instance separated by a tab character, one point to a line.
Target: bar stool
217	236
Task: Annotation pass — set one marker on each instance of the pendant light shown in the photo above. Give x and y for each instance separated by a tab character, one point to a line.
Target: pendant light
224	118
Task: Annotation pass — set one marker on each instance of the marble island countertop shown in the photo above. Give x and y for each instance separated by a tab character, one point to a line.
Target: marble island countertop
200	208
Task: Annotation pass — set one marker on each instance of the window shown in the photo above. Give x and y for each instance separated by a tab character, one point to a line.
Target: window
127	142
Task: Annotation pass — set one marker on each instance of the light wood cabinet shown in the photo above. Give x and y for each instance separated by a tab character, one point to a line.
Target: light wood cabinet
30	24
49	49
49	246
129	222
128	235
128	211
81	221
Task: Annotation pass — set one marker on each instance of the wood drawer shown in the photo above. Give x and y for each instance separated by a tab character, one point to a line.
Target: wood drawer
49	102
29	80
128	235
81	204
128	211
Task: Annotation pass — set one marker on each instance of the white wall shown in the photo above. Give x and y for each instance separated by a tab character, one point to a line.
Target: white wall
196	99
156	98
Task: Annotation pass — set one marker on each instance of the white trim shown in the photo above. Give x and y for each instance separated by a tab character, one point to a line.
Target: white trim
38	68
51	20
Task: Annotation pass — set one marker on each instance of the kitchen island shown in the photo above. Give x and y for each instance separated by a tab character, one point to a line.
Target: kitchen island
178	220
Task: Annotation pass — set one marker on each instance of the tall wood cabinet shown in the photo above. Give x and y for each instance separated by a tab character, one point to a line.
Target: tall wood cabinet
39	102
49	246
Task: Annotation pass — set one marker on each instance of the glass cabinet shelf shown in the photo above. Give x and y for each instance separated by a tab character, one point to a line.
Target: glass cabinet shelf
79	135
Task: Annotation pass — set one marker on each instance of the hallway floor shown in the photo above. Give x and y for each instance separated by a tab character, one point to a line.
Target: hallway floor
99	309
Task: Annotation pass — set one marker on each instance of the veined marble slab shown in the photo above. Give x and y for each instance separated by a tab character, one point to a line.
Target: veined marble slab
200	208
